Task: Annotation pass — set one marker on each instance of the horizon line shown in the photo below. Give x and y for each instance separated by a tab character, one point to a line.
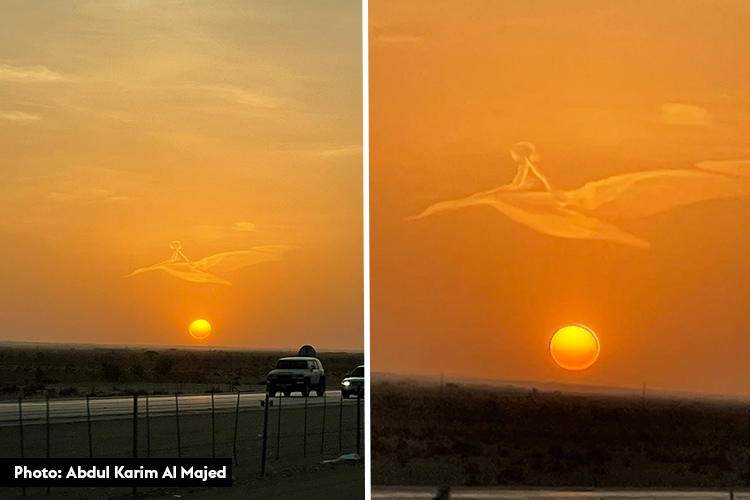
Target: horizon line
27	343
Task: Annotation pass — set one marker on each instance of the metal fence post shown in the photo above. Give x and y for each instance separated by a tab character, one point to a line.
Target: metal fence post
304	433
48	445
265	436
20	431
135	425
213	427
177	417
323	434
341	419
236	426
135	433
20	423
278	430
148	430
88	425
359	420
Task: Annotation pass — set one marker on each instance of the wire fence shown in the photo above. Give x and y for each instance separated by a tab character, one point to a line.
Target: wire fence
262	435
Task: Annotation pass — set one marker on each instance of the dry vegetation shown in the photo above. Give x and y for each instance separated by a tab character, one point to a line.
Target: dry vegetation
479	436
74	371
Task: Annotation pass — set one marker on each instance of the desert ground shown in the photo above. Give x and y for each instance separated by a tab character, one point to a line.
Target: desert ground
34	370
424	435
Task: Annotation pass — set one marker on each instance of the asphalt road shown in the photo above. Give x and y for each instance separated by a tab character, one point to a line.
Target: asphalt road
74	410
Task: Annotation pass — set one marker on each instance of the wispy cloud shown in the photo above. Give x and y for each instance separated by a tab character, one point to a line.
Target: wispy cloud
196	271
88	196
19	116
240	95
29	74
676	113
399	38
244	226
594	210
84	184
339	150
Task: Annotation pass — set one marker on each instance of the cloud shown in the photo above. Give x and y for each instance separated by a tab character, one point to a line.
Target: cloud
84	184
87	196
18	116
398	38
242	96
244	226
196	271
675	113
341	150
29	74
592	211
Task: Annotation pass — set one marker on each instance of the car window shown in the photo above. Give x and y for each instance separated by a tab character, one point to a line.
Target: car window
291	364
358	372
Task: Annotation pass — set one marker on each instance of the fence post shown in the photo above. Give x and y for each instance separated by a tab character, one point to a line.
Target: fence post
265	436
341	419
213	427
20	430
359	420
135	433
148	430
236	425
304	433
20	423
323	434
135	425
88	425
278	430
177	418
47	401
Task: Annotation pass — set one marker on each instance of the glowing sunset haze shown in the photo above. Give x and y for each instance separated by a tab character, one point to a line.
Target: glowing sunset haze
536	164
231	129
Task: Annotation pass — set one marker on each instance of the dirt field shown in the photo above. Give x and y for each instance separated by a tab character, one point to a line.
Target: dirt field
72	371
472	436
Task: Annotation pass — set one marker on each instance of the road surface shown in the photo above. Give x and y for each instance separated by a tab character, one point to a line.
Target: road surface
74	410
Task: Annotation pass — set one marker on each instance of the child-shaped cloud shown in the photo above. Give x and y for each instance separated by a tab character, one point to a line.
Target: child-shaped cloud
181	267
592	210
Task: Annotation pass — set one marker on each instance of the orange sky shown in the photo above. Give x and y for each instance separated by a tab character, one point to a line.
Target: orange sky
601	88
128	124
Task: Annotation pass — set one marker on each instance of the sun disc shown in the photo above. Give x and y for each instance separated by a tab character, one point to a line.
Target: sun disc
200	329
574	347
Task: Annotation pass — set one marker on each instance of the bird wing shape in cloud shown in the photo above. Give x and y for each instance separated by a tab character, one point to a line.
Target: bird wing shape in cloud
584	213
184	271
231	261
197	271
639	194
544	213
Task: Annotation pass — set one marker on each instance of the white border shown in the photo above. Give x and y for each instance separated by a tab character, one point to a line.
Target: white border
366	235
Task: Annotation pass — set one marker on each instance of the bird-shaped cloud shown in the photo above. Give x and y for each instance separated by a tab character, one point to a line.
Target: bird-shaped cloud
196	271
592	210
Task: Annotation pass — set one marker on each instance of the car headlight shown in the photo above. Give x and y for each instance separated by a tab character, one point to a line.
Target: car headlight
346	383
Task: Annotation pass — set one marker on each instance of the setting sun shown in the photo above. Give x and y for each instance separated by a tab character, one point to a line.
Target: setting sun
574	347
200	329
